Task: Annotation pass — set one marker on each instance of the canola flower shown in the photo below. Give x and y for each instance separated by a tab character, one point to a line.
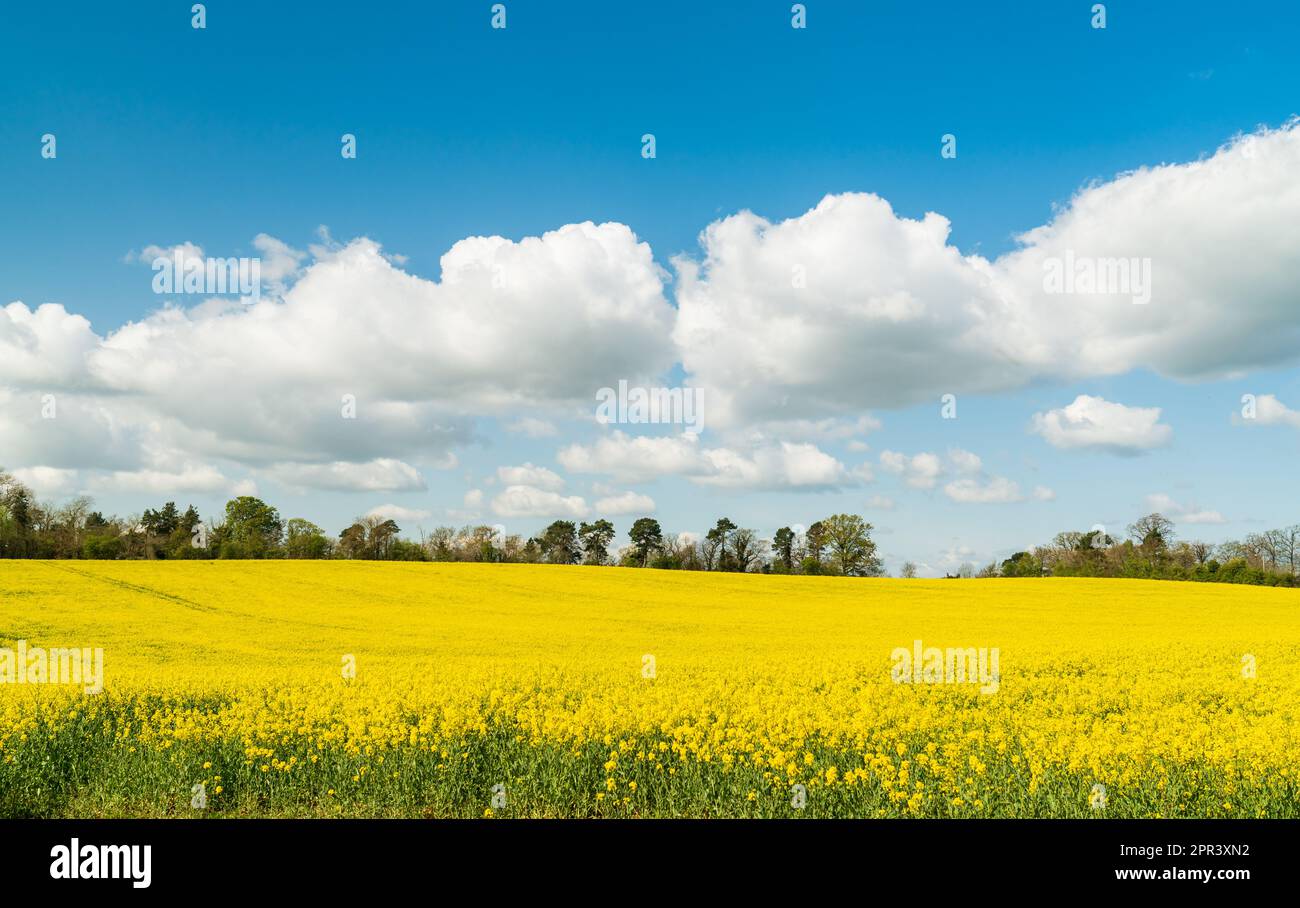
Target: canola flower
380	689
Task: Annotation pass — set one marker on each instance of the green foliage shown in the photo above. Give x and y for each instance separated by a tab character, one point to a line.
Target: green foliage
559	543
1151	552
105	547
851	550
783	545
1022	564
839	545
595	538
253	528
303	539
647	538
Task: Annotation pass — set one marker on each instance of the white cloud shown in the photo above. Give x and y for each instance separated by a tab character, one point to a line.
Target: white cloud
383	474
863	472
529	475
194	478
538	323
279	261
46	480
881	503
397	512
793	328
626	503
1269	411
849	305
883	320
994	490
782	465
44	349
1198	516
147	255
920	471
824	430
527	501
971	485
956	554
1092	422
1218	233
636	458
1180	513
1043	493
785	465
964	461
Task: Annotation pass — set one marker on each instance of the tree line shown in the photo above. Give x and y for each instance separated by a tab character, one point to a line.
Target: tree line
1151	550
839	545
250	528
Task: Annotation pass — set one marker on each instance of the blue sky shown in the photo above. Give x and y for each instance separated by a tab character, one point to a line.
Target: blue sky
169	135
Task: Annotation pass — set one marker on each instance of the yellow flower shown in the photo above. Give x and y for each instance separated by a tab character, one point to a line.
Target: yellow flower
783	679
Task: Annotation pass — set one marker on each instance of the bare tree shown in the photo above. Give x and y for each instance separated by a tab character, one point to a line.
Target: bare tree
1264	546
747	549
1153	529
1291	548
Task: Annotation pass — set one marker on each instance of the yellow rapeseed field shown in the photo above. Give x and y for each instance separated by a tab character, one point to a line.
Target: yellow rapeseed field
390	689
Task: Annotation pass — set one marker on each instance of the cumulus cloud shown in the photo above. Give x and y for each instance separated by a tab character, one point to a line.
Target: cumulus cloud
397	512
793	327
266	385
44	349
920	471
823	430
383	474
626	503
153	251
993	490
1092	422
924	470
1182	513
1218	233
83	433
46	480
850	305
965	461
194	478
527	501
970	484
844	307
956	554
783	465
280	262
1269	411
636	458
529	475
